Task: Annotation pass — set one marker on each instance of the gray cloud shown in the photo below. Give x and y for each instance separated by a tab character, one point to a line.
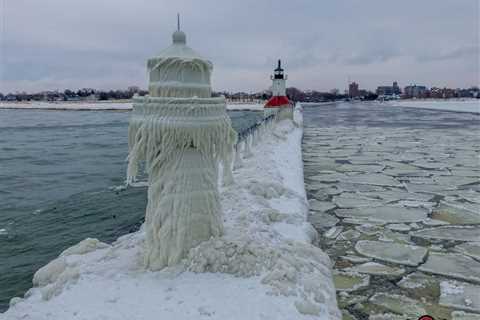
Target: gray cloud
55	44
467	52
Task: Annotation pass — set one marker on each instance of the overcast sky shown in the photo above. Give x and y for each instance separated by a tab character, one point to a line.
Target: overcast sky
58	44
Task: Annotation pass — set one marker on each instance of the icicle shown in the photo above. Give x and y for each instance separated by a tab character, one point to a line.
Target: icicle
247	152
227	176
238	163
255	137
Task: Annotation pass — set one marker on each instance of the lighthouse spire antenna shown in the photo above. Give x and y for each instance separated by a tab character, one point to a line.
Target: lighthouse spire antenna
178	21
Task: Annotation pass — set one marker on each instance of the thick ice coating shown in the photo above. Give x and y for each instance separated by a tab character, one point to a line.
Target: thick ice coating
182	134
178	71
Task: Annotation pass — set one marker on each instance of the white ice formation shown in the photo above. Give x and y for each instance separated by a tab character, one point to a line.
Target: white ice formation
182	134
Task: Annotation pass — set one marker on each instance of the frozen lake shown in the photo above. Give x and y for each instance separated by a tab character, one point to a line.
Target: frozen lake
61	176
395	196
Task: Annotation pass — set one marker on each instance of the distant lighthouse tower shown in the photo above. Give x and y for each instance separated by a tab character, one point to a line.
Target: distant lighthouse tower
279	97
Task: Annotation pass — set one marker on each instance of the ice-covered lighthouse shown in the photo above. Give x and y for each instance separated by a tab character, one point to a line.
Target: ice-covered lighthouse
279	96
182	133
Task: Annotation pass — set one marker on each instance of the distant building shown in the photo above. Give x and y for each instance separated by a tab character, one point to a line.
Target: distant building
133	89
415	91
353	90
384	90
10	97
394	89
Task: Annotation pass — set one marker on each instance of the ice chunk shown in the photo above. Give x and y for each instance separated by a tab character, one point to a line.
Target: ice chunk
471	249
398	195
402	227
85	246
377	269
49	273
456	180
429	165
328	177
346	200
349	281
320	205
433	222
392	252
391	236
360	168
452	265
460	295
355	259
323	193
333	232
455	213
385	214
417	280
460	233
462	315
369	229
322	220
375	179
398	304
355	187
428	188
406	173
349	235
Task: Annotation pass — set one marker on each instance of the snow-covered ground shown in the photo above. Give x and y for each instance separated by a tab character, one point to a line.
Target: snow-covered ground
459	105
84	105
264	267
97	105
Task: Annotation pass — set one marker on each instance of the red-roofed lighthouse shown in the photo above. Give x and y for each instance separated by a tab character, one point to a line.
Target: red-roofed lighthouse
279	97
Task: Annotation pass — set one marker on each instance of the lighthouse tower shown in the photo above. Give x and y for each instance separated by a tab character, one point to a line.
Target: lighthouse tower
279	97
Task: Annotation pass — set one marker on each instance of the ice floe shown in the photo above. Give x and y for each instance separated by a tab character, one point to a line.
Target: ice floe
460	295
462	315
402	227
456	214
321	220
392	252
458	233
390	214
333	232
320	205
398	304
452	265
375	179
348	281
377	269
471	249
347	200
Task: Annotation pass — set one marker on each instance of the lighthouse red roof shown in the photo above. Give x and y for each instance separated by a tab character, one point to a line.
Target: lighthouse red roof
278	102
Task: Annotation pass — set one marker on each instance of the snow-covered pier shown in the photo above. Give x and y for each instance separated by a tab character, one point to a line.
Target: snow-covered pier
263	267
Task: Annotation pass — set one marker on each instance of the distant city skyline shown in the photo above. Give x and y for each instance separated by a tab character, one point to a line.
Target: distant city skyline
53	45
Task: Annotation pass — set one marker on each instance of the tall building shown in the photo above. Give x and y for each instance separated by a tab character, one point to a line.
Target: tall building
353	90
